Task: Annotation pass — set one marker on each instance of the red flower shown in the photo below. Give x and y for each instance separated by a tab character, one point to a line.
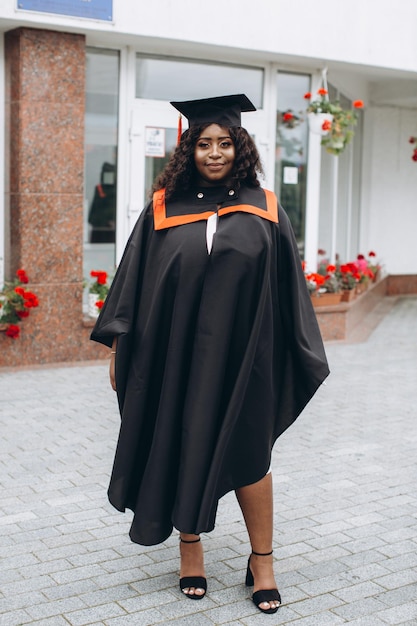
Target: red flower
307	95
326	125
31	300
322	92
412	140
22	314
352	267
303	265
414	157
316	278
371	253
100	275
99	304
19	290
12	331
358	104
287	117
331	268
360	257
22	276
320	251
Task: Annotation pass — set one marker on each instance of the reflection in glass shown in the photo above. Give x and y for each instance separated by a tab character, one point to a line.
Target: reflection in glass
291	149
180	79
102	213
101	124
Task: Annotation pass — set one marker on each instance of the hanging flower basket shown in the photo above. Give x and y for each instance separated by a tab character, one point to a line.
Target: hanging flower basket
337	129
320	123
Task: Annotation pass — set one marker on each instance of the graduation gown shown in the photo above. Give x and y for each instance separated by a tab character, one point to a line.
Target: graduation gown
217	354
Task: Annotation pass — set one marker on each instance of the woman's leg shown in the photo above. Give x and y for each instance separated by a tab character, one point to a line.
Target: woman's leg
192	561
256	503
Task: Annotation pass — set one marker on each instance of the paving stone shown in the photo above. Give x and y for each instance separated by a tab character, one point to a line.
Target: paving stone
144	618
56	620
345	504
320	619
57	607
398	596
317	604
87	616
15	618
360	608
399	579
404	614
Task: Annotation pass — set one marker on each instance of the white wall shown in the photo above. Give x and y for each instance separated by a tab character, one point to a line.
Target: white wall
362	31
389	223
3	166
366	38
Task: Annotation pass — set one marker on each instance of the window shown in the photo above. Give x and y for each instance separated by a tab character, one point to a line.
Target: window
291	149
180	79
101	123
339	195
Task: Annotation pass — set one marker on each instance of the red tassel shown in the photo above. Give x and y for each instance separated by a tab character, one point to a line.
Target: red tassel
179	132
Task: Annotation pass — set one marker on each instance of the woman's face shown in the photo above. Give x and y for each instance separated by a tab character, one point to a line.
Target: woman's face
214	155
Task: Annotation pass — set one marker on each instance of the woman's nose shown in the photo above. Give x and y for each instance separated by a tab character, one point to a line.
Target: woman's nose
214	152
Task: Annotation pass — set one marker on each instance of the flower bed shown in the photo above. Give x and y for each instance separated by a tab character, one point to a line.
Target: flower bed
346	279
16	301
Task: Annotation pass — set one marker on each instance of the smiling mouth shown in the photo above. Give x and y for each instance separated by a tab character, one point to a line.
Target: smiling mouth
215	166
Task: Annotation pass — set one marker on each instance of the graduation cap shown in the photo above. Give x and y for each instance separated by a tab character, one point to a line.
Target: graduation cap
222	110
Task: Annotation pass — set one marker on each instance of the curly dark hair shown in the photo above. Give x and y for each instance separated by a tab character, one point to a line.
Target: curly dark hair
180	173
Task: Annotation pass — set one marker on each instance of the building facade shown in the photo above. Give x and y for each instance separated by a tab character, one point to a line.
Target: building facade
86	125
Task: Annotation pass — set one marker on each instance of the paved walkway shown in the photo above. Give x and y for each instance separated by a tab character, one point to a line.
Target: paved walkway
345	504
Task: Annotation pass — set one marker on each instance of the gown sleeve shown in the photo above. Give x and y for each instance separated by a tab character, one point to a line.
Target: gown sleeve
117	314
307	365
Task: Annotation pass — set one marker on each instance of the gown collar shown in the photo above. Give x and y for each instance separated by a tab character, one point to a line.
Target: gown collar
200	203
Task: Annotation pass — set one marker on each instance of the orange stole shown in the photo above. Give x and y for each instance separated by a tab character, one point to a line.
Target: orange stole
162	221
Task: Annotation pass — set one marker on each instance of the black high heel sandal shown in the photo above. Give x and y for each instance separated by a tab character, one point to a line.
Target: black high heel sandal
263	595
198	582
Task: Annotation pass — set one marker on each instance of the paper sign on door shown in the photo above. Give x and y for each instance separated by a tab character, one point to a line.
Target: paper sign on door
154	142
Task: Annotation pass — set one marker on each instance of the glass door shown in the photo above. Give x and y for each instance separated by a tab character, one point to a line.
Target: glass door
153	137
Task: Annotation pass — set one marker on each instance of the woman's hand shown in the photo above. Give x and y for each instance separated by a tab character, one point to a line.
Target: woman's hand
112	371
112	367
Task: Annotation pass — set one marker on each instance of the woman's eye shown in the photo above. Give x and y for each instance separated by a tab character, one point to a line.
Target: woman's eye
203	144
225	144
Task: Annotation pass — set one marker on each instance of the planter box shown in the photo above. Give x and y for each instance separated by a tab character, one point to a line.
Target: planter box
348	295
326	299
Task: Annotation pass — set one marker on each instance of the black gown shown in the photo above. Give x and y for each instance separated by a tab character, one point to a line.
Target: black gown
217	354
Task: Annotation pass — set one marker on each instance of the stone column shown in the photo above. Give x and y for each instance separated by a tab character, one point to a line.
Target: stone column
45	95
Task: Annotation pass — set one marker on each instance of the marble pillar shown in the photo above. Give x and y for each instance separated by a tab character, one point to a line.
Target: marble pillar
45	96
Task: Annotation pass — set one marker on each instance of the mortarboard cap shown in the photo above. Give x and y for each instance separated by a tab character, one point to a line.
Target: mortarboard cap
222	110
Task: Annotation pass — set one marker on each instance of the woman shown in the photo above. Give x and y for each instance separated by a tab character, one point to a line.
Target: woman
215	346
